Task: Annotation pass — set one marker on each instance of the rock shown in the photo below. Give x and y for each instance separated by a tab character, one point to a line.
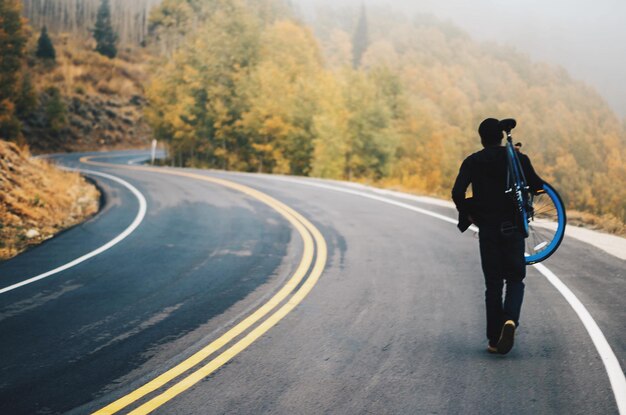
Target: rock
32	233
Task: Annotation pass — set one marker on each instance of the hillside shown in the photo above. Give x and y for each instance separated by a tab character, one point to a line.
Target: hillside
101	99
450	83
56	100
37	200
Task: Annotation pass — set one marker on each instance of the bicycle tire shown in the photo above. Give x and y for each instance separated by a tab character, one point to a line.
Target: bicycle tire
546	226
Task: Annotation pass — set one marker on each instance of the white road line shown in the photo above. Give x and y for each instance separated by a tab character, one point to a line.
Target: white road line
138	219
611	364
371	196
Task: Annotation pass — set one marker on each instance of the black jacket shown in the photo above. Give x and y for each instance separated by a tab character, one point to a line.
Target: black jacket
486	170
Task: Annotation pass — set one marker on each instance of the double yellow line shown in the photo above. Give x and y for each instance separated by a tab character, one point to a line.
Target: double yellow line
198	366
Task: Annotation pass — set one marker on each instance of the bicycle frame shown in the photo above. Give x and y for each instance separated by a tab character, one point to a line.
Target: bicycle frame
517	186
539	216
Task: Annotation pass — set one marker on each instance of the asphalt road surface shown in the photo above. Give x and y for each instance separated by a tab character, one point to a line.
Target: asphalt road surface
223	300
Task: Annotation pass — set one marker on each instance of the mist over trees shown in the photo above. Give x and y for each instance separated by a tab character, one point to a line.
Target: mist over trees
375	97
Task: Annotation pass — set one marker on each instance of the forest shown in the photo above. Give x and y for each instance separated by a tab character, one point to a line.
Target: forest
370	96
79	16
364	95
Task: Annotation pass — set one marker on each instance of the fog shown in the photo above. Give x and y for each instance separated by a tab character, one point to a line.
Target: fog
587	38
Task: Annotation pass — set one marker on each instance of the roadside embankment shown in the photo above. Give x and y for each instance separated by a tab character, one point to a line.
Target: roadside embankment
37	200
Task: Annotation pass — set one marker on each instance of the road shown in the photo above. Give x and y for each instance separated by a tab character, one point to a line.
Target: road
386	315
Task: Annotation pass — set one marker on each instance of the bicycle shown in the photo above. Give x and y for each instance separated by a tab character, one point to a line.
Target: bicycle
540	215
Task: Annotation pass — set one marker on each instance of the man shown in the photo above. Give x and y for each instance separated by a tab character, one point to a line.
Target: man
501	243
518	147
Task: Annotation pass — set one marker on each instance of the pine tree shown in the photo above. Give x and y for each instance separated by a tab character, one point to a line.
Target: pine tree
26	100
105	37
360	40
45	49
56	111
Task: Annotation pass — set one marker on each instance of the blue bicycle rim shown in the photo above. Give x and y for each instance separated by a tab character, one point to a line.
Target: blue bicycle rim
560	230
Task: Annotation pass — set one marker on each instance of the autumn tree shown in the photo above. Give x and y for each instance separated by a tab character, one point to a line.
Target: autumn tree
195	99
281	94
370	132
103	33
171	22
331	130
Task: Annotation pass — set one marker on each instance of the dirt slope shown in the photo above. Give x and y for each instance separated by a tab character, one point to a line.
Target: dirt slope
38	200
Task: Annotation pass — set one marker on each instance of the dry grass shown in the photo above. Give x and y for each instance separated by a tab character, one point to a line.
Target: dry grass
79	68
606	223
104	98
37	200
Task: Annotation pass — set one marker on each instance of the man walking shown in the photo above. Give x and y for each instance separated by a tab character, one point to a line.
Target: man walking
501	243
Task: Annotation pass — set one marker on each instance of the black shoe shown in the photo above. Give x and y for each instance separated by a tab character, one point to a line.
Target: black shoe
507	336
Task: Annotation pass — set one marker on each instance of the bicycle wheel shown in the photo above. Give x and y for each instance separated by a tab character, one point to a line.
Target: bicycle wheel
546	226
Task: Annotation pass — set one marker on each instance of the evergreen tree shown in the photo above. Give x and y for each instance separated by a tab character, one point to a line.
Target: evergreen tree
105	37
26	100
45	49
56	111
12	41
360	40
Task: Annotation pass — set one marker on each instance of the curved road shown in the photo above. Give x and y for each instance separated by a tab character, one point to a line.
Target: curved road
394	325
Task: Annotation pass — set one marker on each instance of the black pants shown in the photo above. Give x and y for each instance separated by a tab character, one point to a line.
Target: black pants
502	257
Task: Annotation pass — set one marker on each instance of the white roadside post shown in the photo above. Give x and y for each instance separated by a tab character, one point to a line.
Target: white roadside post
153	152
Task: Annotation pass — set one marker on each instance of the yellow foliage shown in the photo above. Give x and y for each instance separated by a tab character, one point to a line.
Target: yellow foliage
251	92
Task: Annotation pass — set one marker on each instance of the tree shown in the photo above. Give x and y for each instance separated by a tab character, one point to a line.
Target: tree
45	49
56	111
195	102
281	93
360	41
170	23
106	38
331	130
12	41
26	100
